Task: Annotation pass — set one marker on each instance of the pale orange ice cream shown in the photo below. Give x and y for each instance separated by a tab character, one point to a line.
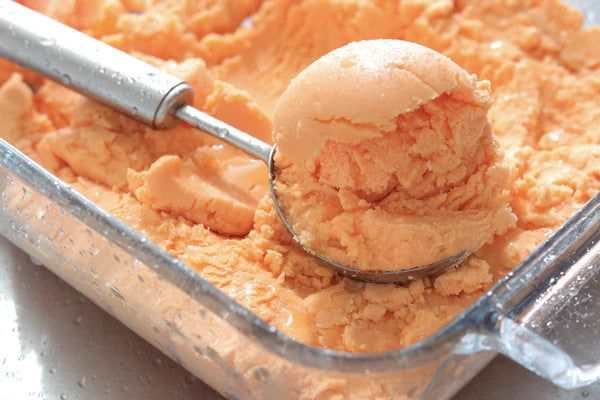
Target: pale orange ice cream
544	108
386	159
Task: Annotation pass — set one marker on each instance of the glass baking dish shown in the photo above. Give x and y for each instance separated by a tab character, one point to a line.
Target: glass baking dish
523	316
542	315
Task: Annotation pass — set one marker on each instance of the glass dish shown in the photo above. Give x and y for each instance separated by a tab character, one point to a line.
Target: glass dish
542	315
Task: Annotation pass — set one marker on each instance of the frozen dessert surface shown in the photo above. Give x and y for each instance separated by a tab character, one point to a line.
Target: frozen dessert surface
386	159
357	92
544	106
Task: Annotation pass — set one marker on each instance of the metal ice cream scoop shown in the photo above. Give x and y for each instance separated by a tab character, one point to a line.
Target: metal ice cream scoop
147	94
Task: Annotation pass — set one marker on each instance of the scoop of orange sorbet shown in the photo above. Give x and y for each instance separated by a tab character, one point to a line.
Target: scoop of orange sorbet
386	159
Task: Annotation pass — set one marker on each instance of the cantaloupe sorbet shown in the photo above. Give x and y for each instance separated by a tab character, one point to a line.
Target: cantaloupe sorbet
199	199
386	159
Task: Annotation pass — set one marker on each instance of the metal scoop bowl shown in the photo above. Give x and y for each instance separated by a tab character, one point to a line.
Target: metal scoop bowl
266	153
149	95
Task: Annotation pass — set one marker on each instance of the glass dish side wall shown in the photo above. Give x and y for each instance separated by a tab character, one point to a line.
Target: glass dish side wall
190	331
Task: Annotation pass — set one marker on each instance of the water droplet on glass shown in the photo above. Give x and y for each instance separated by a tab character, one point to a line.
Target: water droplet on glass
47	41
157	362
63	396
66	79
223	132
190	379
78	320
52	370
82	381
35	261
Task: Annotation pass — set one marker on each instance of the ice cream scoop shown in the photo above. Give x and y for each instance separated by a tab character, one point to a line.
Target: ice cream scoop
159	100
386	158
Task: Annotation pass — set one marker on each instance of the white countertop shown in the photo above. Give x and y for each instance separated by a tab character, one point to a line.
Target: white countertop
55	344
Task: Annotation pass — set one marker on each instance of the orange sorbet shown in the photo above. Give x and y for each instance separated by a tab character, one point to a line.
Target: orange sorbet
386	159
206	203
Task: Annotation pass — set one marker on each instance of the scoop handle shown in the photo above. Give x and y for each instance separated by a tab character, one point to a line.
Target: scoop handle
90	67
